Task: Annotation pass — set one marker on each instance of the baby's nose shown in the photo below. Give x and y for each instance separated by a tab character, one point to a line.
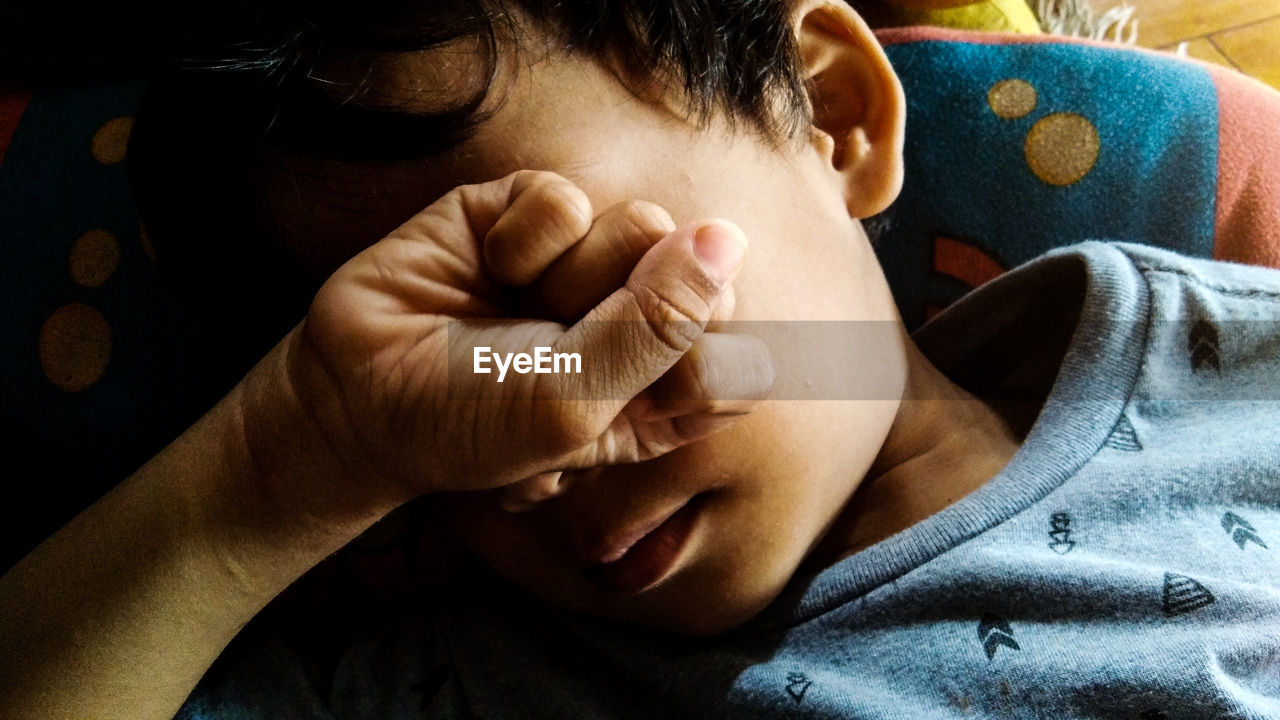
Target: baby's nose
525	494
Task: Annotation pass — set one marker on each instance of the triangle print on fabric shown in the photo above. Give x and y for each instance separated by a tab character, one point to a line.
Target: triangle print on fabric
1123	437
1183	594
1204	347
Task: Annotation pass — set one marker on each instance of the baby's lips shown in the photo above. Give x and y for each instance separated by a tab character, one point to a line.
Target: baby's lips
609	543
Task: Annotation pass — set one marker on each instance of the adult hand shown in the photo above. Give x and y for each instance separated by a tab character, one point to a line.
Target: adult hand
373	399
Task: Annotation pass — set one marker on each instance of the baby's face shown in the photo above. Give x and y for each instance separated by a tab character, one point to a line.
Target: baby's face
701	539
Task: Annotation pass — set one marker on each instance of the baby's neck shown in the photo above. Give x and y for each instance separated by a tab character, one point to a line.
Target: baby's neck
944	444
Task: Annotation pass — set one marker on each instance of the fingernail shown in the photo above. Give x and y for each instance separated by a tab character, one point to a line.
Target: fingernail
720	248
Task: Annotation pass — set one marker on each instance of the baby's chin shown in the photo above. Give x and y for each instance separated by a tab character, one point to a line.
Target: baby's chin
687	606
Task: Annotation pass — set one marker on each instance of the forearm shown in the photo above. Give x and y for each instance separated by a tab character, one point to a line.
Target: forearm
121	612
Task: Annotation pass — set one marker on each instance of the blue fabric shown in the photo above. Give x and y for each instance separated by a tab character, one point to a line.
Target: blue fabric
67	446
1125	564
967	175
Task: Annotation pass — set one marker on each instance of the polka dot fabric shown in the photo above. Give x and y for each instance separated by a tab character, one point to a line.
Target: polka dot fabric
1020	144
97	361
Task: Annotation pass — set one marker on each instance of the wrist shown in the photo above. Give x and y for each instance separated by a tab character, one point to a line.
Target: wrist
284	491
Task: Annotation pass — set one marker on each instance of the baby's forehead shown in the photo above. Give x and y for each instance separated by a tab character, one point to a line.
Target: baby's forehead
420	105
564	113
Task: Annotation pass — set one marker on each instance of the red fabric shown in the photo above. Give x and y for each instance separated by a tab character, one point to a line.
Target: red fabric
1247	227
921	33
13	102
964	262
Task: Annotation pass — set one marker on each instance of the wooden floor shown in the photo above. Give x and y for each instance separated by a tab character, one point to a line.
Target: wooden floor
1243	34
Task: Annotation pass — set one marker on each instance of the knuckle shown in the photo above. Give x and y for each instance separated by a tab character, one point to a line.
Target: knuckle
540	219
646	220
521	182
523	179
636	226
558	207
674	324
500	256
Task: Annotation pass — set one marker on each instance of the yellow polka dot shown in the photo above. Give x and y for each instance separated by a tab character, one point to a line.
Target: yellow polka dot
1012	98
1062	148
94	258
144	238
112	140
75	345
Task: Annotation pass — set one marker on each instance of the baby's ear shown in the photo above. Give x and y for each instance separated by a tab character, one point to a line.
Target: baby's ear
858	106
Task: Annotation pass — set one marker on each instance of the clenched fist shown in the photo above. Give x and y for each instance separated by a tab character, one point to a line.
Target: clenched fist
373	399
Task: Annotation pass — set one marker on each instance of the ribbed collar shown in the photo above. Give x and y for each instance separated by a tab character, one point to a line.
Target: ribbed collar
1006	319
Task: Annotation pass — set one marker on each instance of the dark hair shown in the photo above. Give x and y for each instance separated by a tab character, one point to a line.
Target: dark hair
731	55
250	78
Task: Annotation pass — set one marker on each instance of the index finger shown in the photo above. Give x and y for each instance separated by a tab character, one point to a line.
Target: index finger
547	214
588	271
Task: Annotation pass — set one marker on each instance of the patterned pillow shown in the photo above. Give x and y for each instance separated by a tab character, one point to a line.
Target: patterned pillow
1017	144
98	367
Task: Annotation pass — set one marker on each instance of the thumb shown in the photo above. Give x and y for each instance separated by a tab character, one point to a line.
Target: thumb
639	332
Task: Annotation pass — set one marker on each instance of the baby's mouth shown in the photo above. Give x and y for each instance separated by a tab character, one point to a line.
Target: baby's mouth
644	558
